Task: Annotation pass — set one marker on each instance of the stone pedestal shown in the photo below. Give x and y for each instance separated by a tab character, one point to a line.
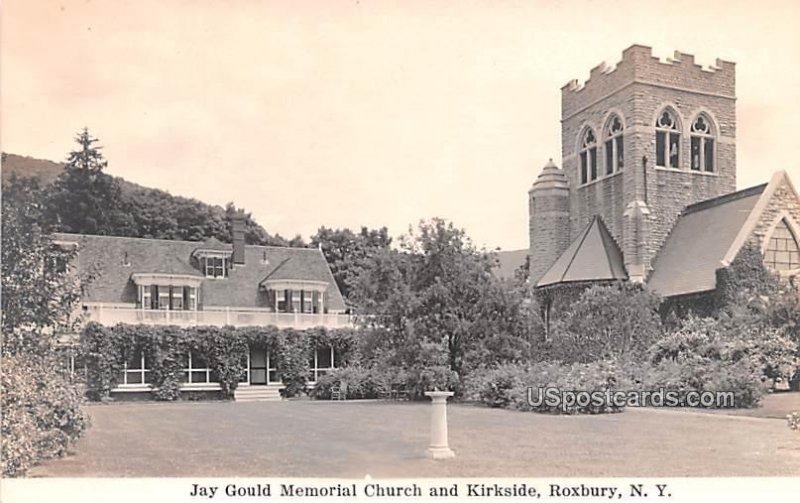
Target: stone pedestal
439	448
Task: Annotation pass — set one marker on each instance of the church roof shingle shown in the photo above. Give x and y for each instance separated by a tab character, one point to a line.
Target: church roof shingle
699	242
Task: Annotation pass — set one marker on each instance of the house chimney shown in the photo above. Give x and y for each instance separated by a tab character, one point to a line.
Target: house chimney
238	229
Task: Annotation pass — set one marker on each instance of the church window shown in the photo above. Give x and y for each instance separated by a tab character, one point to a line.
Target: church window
668	140
782	252
588	154
702	144
613	145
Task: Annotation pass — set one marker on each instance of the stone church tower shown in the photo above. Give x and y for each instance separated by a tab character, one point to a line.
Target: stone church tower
640	142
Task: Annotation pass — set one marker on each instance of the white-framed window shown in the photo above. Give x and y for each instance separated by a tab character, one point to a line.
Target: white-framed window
324	361
134	370
615	154
163	298
177	298
197	370
216	267
146	297
782	252
296	299
308	301
668	140
280	301
191	298
702	147
588	156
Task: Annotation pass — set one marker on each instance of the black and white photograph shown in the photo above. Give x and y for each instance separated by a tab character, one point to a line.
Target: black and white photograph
361	250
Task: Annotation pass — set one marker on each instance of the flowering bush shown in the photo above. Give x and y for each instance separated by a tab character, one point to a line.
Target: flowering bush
508	386
361	383
41	413
705	354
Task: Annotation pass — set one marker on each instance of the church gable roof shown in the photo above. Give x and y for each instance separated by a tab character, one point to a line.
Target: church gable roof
702	237
592	256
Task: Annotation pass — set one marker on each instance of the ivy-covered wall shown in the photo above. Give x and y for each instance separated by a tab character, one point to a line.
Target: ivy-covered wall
746	275
105	350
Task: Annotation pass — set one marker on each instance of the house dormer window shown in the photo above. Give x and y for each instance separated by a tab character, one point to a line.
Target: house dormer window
216	266
214	258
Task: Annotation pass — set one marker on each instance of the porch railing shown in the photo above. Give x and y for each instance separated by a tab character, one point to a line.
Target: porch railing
214	316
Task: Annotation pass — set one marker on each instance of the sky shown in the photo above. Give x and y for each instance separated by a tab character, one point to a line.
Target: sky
375	113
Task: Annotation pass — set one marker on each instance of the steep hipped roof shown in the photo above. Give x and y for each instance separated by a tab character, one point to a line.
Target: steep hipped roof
699	242
592	256
213	244
112	260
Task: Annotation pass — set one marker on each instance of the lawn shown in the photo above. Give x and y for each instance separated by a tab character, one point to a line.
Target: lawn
388	439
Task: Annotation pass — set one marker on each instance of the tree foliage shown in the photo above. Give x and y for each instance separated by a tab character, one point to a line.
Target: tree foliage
348	252
86	200
435	302
41	408
39	292
607	321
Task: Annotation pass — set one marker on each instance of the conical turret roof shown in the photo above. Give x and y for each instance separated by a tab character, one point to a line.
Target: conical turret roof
551	177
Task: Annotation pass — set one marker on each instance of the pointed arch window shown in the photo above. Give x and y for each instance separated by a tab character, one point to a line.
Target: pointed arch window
613	145
588	154
702	135
782	252
668	140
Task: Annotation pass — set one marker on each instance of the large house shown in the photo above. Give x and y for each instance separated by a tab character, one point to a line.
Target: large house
163	282
647	192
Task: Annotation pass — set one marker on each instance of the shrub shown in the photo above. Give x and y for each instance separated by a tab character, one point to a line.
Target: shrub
702	375
293	355
706	354
496	387
361	383
508	386
41	413
435	377
605	322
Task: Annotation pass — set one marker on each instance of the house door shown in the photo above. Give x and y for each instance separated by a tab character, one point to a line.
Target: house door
262	369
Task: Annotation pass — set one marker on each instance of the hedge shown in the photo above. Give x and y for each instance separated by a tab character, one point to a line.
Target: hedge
41	415
373	382
105	349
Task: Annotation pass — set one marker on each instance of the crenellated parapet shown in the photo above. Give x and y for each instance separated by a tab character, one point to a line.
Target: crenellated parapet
639	65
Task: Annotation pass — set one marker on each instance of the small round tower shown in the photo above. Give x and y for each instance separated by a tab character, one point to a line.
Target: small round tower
548	222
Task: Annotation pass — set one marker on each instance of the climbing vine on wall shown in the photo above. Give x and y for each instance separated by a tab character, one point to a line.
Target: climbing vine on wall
105	350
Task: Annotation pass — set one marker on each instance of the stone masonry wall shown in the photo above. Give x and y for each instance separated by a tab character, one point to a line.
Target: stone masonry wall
548	229
783	200
638	89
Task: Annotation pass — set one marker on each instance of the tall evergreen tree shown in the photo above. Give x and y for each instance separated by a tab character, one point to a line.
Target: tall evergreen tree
84	199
